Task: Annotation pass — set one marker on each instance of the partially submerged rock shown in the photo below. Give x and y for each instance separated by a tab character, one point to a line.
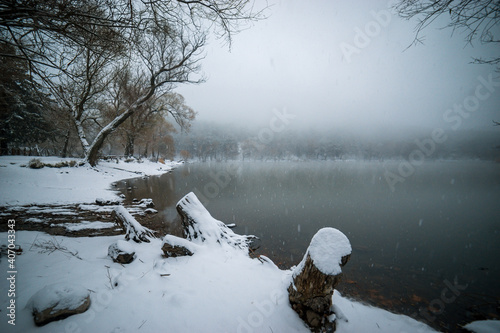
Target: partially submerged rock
55	302
121	252
316	277
200	227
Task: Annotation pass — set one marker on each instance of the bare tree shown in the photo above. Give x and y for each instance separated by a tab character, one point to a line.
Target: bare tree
50	34
163	58
167	58
159	138
479	19
46	32
72	46
153	113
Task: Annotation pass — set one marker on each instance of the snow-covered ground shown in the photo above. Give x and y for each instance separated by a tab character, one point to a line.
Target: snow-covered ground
218	289
23	186
215	290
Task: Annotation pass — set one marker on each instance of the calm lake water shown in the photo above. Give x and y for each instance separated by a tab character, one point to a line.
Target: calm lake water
429	247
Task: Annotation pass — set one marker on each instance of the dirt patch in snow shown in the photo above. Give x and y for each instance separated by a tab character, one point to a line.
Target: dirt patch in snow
63	220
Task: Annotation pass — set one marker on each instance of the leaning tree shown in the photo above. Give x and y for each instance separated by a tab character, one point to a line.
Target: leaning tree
148	119
73	47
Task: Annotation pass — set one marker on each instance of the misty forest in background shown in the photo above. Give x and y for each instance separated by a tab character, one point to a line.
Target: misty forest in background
215	142
90	78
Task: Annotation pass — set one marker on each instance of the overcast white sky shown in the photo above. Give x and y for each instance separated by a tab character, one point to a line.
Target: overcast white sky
295	60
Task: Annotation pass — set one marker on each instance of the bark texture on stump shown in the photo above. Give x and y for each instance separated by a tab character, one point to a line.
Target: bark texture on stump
200	227
317	275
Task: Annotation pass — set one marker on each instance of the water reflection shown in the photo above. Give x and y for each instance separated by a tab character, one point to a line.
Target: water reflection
441	224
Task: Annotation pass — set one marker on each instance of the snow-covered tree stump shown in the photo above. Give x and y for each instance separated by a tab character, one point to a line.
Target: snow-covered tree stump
133	229
200	227
316	277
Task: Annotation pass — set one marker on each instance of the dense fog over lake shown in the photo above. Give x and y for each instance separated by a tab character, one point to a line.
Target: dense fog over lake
340	66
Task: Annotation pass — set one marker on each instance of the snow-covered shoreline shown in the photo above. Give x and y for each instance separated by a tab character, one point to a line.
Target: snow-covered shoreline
215	290
67	185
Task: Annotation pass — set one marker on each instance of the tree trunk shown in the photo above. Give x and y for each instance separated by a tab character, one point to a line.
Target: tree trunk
129	147
317	275
92	153
146	150
81	135
4	148
64	152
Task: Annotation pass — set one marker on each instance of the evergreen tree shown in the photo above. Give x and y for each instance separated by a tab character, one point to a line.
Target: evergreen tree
22	121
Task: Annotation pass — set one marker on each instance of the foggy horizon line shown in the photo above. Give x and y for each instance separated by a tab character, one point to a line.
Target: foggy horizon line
362	130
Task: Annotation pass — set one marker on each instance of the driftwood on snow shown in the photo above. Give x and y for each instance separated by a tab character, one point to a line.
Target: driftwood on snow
133	229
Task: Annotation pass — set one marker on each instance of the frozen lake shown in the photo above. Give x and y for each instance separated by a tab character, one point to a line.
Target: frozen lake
430	240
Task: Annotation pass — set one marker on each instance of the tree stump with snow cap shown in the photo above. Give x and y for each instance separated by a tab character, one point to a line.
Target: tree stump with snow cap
201	228
316	277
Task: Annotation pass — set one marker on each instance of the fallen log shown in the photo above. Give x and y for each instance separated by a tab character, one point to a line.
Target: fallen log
200	227
133	229
316	277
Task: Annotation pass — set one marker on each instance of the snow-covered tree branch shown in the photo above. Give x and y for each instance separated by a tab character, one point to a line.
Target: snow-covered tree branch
73	49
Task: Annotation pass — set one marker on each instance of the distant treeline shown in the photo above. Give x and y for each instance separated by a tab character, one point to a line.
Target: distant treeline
213	142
